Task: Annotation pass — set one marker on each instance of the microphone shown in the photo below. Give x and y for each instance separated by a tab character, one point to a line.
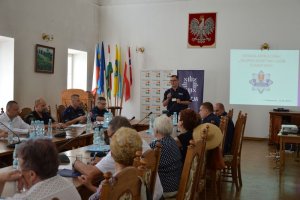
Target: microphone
12	145
144	118
63	158
132	118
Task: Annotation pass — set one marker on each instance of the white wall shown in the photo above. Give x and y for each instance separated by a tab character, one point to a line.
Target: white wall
73	23
162	30
6	70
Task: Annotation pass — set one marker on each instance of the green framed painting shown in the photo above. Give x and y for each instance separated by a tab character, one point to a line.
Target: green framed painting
44	59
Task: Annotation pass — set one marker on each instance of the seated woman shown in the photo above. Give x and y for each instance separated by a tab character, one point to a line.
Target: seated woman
38	163
188	120
170	166
123	146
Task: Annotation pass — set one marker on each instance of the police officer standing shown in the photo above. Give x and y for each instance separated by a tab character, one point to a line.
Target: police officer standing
176	98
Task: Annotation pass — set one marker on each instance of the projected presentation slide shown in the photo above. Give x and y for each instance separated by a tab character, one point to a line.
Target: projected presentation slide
264	77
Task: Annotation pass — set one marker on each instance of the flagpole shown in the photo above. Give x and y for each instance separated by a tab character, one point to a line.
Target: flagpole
123	84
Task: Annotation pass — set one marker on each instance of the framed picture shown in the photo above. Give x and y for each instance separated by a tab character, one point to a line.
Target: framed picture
44	59
202	30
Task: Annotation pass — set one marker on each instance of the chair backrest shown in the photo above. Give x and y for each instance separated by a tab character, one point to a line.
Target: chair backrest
59	113
152	158
124	185
49	109
223	126
115	110
192	169
238	135
25	112
86	98
230	113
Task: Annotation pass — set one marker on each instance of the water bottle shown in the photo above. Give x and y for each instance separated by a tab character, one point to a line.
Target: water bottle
10	135
88	123
101	137
96	136
15	158
175	118
32	130
151	122
49	128
106	120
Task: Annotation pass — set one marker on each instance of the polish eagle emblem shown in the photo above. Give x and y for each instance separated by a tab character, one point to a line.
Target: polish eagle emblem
202	29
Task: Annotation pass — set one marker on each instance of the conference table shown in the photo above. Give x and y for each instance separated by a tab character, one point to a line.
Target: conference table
11	187
75	137
283	139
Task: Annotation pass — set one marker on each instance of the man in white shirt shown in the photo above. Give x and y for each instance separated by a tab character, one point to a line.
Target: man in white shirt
107	164
11	118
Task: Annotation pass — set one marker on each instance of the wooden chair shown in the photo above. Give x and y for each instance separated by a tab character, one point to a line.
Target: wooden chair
59	113
192	168
25	112
223	126
85	97
230	113
233	161
124	185
152	158
115	110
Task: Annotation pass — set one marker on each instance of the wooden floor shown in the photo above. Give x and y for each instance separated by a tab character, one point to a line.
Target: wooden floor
261	178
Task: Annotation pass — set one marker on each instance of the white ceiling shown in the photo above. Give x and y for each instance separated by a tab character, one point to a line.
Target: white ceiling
119	2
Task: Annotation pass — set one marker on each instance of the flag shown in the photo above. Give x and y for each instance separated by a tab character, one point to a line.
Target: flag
120	74
116	75
126	84
130	70
109	71
96	72
102	69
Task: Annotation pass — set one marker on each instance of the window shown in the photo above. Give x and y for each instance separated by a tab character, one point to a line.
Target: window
77	69
6	70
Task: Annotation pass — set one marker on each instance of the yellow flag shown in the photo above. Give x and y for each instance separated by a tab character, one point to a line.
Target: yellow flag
116	74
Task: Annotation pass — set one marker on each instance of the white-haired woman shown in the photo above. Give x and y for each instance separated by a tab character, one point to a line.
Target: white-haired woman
170	166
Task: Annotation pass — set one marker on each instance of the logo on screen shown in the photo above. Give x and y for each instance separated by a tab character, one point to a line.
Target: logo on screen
261	81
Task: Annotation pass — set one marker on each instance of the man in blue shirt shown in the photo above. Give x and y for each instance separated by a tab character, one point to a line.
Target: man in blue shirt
176	98
74	114
99	110
207	114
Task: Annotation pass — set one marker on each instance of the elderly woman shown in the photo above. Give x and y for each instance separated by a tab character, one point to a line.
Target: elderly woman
170	166
188	120
123	146
38	162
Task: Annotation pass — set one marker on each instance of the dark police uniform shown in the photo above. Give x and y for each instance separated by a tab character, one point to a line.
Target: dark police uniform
35	116
181	94
211	118
98	113
70	113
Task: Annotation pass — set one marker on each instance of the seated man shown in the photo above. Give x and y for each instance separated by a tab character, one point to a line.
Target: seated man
220	111
207	114
40	112
74	114
11	118
107	164
99	110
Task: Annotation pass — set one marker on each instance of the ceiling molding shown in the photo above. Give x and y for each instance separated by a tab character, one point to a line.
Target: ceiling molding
124	2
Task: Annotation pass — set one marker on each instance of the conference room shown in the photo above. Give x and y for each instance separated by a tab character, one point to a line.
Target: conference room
249	64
